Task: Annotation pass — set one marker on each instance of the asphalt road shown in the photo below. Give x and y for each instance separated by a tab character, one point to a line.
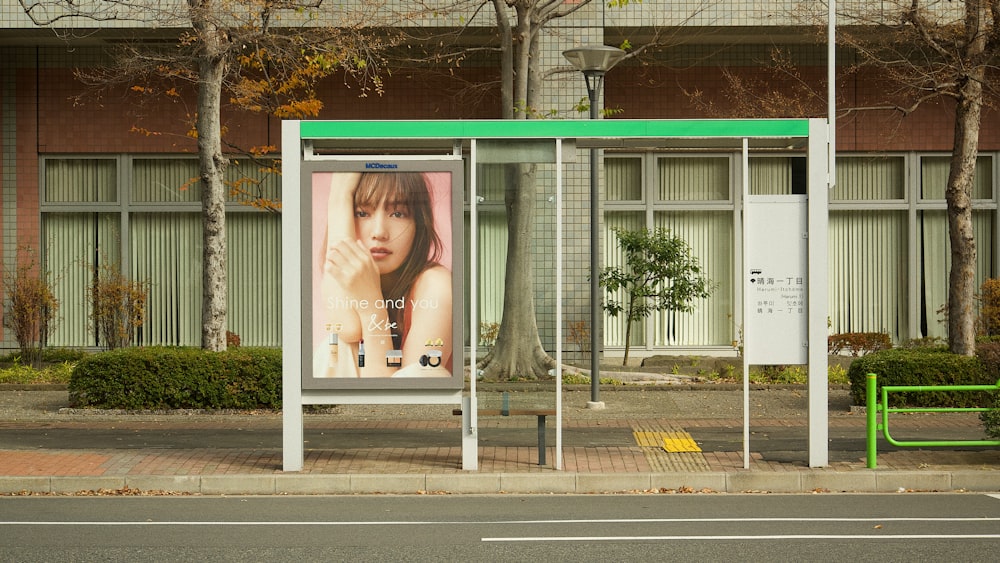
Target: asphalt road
904	527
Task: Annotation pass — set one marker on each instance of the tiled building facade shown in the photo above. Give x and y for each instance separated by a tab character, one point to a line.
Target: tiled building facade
78	180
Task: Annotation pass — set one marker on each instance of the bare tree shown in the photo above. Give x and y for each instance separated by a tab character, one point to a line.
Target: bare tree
520	27
518	352
920	51
232	46
935	49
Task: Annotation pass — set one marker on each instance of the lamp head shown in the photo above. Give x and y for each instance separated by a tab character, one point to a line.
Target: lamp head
594	59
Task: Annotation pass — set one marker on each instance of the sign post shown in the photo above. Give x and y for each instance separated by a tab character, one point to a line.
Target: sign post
784	289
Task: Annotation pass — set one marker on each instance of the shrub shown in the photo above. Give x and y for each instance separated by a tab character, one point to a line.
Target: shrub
989	308
991	418
579	334
27	375
488	332
117	305
921	366
858	343
989	355
49	356
174	378
31	307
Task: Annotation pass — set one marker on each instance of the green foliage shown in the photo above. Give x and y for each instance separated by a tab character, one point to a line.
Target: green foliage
118	306
788	375
49	356
173	378
989	356
924	342
837	375
660	274
577	378
991	418
924	366
858	343
27	375
31	306
779	375
56	364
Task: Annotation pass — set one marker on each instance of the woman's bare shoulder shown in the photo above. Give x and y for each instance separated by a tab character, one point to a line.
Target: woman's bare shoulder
436	272
436	276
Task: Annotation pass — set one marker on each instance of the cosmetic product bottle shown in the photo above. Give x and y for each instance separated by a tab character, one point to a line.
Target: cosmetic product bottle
334	351
361	353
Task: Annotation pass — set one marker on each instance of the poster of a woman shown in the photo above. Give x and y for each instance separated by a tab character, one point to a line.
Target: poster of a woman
382	277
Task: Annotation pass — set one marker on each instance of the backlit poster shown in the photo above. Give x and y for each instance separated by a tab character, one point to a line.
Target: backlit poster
383	293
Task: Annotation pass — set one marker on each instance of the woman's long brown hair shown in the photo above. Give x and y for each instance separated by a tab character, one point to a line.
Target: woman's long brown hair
410	189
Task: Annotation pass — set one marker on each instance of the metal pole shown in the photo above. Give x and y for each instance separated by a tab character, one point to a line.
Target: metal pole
594	61
593	87
831	79
871	419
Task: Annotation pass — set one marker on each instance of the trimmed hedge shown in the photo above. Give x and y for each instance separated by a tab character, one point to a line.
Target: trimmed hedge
178	378
925	366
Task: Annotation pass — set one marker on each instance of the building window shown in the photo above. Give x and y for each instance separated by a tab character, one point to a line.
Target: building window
888	237
869	247
933	246
691	195
151	228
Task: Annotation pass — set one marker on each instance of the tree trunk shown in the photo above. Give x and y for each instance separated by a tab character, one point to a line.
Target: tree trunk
628	339
518	352
212	164
962	277
961	176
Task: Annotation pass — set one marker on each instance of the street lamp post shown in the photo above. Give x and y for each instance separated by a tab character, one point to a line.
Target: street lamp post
594	61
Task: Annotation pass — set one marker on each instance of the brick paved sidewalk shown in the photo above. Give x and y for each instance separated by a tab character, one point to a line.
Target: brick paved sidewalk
108	461
595	465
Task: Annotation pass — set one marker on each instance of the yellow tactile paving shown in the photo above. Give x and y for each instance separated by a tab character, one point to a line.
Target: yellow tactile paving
673	442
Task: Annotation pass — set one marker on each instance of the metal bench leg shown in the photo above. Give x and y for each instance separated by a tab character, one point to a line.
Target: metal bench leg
541	439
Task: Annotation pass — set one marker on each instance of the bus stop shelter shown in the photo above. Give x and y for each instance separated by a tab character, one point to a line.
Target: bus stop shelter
457	148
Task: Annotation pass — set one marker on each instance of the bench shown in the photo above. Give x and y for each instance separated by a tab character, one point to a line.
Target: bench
505	410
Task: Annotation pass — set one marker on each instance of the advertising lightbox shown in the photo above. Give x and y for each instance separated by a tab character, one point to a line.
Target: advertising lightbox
382	298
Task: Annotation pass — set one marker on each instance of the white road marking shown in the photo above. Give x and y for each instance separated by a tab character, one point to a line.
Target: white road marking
485	522
747	538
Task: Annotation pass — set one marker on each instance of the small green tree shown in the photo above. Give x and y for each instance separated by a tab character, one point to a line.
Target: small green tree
31	306
660	274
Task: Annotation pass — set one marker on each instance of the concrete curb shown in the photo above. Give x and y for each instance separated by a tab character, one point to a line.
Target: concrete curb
819	481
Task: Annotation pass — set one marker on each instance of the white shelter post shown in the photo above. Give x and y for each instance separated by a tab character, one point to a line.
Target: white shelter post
818	211
831	80
293	433
559	300
470	404
745	180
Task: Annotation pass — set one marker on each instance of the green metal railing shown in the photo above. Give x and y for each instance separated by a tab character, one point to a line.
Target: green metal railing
875	406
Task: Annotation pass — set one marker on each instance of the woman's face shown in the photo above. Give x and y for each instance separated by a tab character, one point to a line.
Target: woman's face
387	230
